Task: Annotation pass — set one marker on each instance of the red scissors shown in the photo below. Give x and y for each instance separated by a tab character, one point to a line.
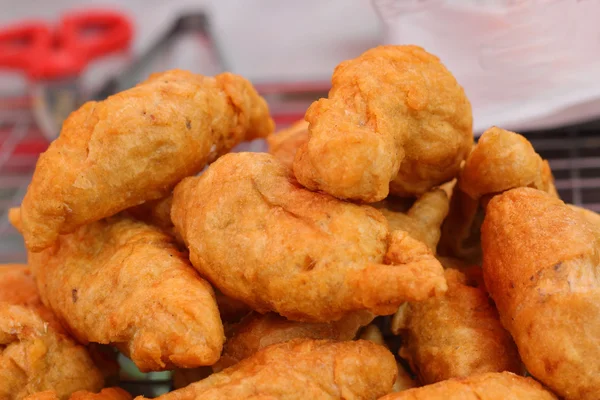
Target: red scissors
53	57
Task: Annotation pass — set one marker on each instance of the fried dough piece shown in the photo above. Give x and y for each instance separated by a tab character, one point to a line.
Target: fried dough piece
540	265
155	212
422	221
34	357
122	282
135	146
105	394
261	238
489	386
184	376
395	121
301	369
501	160
231	310
257	331
456	335
593	218
285	143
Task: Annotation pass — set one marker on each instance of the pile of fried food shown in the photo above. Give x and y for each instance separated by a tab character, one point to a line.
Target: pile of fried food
266	275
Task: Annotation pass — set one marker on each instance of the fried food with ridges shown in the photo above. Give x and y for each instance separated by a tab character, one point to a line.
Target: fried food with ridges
301	369
489	386
395	121
135	146
122	282
256	331
540	265
113	393
285	143
261	238
456	335
34	357
501	160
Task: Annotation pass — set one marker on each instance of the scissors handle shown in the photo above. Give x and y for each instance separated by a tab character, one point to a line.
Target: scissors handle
22	44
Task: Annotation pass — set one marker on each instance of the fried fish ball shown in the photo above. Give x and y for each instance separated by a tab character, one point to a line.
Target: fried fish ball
285	143
395	121
105	394
540	265
301	369
263	239
122	282
489	386
501	160
456	335
135	146
34	357
257	331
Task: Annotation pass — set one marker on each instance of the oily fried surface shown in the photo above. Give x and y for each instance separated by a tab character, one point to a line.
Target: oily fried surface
301	369
423	220
155	212
135	146
257	331
501	160
34	357
456	335
261	238
285	143
489	386
394	114
540	265
104	394
123	282
17	286
231	310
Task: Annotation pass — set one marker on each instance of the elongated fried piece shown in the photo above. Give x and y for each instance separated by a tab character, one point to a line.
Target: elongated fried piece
135	146
456	335
261	238
34	357
285	143
257	331
301	369
489	386
122	282
501	160
423	220
105	394
394	114
540	265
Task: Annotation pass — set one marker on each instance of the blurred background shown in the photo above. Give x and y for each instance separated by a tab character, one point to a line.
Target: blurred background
527	65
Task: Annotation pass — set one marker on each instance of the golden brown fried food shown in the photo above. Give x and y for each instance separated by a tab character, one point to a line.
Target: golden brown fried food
301	369
34	357
261	238
456	335
17	286
231	310
593	218
184	376
423	220
105	394
257	331
501	160
395	121
155	212
122	282
540	265
286	142
135	146
489	386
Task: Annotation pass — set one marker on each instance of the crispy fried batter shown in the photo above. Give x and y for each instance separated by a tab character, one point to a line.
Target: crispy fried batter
422	221
34	357
257	331
501	160
395	120
155	212
301	369
490	386
456	335
104	394
123	282
135	146
540	264
261	238
286	142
